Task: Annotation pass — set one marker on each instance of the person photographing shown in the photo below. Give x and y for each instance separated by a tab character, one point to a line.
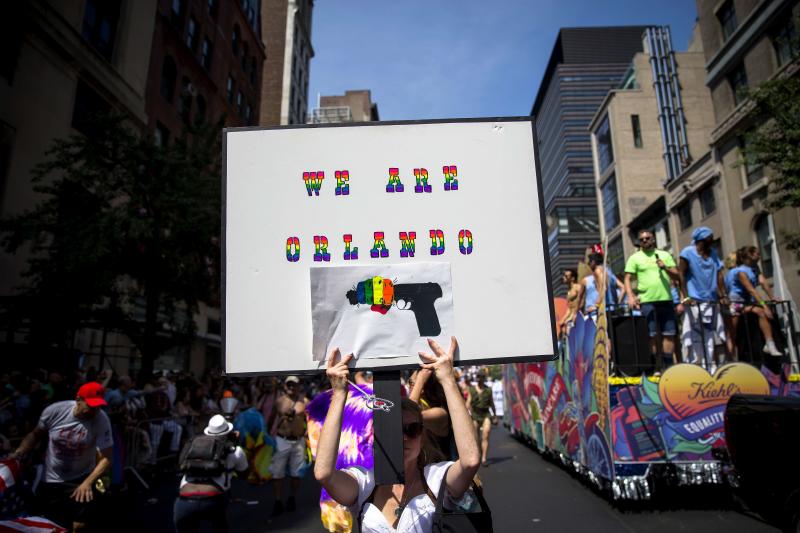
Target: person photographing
208	463
408	506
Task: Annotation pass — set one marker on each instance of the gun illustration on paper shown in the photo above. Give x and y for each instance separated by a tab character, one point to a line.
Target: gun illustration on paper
380	293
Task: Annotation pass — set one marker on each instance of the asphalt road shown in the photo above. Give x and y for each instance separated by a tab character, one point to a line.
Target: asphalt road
525	493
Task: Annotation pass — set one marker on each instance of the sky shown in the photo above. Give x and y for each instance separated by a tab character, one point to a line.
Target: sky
426	59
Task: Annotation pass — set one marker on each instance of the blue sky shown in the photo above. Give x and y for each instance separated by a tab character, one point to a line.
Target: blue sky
459	58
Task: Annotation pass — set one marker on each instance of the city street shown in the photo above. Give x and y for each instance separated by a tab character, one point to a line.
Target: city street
525	492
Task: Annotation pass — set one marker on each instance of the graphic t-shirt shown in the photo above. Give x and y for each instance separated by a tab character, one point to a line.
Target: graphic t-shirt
701	276
72	442
653	284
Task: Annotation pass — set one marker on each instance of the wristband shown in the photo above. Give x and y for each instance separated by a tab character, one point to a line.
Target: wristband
762	303
686	299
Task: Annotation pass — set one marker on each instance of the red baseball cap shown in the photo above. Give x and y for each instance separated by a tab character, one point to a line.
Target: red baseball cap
92	394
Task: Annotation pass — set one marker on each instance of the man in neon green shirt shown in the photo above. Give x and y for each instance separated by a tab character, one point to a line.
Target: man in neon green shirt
653	270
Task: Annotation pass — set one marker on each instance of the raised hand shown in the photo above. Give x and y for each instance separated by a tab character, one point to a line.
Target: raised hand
338	373
441	362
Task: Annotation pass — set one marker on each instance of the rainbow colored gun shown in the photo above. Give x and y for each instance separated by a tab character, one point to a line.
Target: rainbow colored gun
380	293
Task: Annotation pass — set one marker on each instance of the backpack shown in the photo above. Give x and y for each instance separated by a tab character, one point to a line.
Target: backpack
203	458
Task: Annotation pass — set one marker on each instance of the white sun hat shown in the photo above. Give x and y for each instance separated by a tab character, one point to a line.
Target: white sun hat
218	426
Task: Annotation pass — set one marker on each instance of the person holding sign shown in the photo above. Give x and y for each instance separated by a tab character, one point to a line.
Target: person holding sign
409	506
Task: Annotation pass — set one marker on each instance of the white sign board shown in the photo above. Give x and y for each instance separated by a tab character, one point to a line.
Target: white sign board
465	193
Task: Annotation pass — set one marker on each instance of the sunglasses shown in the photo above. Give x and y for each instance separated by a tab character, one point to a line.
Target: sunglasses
412	430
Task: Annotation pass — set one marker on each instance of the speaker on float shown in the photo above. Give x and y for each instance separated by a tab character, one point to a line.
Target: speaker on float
630	350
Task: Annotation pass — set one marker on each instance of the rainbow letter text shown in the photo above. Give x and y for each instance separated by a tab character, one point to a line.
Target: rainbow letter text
407	241
292	249
313	181
343	182
394	181
421	175
321	248
379	248
450	179
350	254
437	242
465	241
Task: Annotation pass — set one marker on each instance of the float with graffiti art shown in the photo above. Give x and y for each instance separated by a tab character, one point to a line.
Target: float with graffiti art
613	429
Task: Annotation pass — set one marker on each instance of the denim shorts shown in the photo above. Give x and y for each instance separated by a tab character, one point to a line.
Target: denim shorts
660	318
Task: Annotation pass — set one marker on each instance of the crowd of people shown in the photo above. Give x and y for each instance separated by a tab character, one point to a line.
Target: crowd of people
73	438
693	307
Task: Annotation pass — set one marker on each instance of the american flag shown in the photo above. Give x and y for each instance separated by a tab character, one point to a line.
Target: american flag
30	524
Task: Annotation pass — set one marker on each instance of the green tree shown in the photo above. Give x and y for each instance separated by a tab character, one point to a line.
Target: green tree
775	140
125	236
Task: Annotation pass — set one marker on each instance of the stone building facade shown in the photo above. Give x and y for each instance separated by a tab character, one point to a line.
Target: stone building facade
286	29
630	142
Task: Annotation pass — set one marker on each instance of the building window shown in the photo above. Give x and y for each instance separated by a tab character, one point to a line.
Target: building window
176	13
753	169
236	38
88	107
169	73
685	215
212	8
207	53
764	239
707	202
615	256
738	81
244	57
605	151
231	89
6	144
200	116
100	25
240	104
577	219
191	34
252	70
161	135
582	190
248	114
610	203
185	100
785	42
727	19
636	128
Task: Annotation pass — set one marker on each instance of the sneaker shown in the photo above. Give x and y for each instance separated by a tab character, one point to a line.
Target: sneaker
277	509
290	506
773	350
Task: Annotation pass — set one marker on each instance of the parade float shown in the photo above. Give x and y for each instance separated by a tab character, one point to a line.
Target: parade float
626	433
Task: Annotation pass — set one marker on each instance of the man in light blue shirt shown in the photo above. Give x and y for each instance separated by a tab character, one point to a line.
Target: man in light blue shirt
702	287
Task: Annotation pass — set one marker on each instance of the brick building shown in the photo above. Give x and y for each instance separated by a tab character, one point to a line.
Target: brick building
206	62
352	106
286	28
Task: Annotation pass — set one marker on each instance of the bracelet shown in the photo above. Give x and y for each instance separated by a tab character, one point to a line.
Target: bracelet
762	303
686	299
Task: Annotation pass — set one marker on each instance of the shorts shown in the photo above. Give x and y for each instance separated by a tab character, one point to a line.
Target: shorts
55	503
288	452
479	417
660	318
737	308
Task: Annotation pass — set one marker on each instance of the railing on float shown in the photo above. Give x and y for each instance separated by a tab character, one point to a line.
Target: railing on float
631	353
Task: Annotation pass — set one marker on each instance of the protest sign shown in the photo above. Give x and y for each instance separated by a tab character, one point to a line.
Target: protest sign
388	197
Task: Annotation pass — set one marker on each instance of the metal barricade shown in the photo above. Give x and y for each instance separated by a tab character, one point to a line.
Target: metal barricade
151	442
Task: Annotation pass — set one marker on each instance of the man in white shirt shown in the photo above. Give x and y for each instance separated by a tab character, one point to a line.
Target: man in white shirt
76	431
